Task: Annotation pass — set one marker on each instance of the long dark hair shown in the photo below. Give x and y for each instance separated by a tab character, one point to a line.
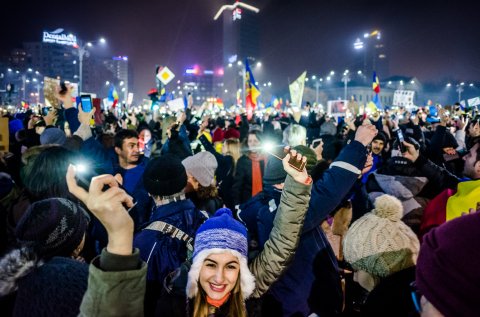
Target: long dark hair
46	178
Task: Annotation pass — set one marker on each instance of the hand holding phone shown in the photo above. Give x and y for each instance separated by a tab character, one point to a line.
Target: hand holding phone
109	207
86	101
294	162
84	175
400	140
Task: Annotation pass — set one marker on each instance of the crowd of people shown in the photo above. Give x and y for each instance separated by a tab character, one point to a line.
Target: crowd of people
207	213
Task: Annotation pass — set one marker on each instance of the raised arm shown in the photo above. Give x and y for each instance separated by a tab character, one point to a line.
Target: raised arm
116	281
287	227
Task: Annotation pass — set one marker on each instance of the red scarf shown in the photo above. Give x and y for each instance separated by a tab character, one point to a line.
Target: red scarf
256	172
217	302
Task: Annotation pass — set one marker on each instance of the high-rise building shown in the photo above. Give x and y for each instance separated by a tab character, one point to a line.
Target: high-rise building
52	60
240	41
372	54
122	73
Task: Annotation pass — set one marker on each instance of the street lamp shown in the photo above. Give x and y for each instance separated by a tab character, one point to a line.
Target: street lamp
345	79
460	90
82	50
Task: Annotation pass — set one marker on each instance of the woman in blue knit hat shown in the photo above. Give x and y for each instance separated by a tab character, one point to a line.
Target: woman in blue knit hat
220	278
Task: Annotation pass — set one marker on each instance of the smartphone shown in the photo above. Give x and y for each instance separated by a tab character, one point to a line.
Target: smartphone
86	101
316	142
84	177
400	139
298	165
44	111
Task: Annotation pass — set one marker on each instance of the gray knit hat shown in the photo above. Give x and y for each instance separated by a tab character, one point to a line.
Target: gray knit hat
274	172
379	242
53	136
202	166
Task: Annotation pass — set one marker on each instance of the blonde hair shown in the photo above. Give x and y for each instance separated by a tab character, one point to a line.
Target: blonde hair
236	306
233	148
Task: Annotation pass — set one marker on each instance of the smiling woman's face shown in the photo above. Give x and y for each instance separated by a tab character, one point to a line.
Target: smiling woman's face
219	274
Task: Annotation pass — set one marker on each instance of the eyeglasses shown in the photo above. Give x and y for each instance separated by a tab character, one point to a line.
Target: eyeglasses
416	295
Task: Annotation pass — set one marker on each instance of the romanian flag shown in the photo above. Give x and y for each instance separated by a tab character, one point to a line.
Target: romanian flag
376	83
251	91
374	105
113	96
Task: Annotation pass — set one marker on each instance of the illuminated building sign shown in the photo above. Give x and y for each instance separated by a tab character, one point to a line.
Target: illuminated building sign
120	58
58	37
237	14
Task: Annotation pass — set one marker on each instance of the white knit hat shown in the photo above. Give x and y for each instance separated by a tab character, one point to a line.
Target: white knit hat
379	242
202	166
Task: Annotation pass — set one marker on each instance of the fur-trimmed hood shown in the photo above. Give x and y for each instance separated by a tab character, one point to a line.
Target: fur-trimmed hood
247	280
13	266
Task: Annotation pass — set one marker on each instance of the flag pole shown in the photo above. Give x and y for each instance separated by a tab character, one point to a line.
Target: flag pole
244	90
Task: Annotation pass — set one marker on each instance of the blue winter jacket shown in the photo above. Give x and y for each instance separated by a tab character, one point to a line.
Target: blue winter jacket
301	290
161	252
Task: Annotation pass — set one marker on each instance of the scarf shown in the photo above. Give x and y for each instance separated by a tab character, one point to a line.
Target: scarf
217	302
257	177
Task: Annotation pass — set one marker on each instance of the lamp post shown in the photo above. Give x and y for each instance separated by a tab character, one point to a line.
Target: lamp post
345	79
460	90
82	50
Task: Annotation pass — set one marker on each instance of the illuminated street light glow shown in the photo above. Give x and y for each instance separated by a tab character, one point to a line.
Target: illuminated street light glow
449	85
30	70
358	44
314	77
9	70
359	72
471	85
230	65
107	83
306	79
89	44
462	84
412	82
270	83
332	73
259	64
102	40
239	63
328	78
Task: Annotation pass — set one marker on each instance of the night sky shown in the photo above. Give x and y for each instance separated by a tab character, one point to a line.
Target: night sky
430	40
